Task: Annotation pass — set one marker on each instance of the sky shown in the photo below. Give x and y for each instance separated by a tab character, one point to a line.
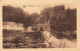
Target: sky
32	7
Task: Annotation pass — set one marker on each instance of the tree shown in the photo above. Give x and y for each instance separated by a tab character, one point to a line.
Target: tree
71	18
16	14
34	16
61	19
13	14
45	15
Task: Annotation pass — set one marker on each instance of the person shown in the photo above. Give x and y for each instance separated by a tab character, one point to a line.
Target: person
16	42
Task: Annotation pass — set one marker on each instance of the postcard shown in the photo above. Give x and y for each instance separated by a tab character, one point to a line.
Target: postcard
39	25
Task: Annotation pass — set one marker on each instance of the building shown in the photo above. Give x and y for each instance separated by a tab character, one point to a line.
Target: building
12	26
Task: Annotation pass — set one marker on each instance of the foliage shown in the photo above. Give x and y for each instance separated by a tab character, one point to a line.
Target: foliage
61	19
16	14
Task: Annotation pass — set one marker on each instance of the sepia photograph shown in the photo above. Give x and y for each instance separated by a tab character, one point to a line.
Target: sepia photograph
39	25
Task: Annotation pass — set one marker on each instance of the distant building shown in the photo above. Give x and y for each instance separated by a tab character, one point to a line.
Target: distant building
41	27
12	26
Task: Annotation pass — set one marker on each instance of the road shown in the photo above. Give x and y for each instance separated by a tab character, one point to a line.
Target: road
53	42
